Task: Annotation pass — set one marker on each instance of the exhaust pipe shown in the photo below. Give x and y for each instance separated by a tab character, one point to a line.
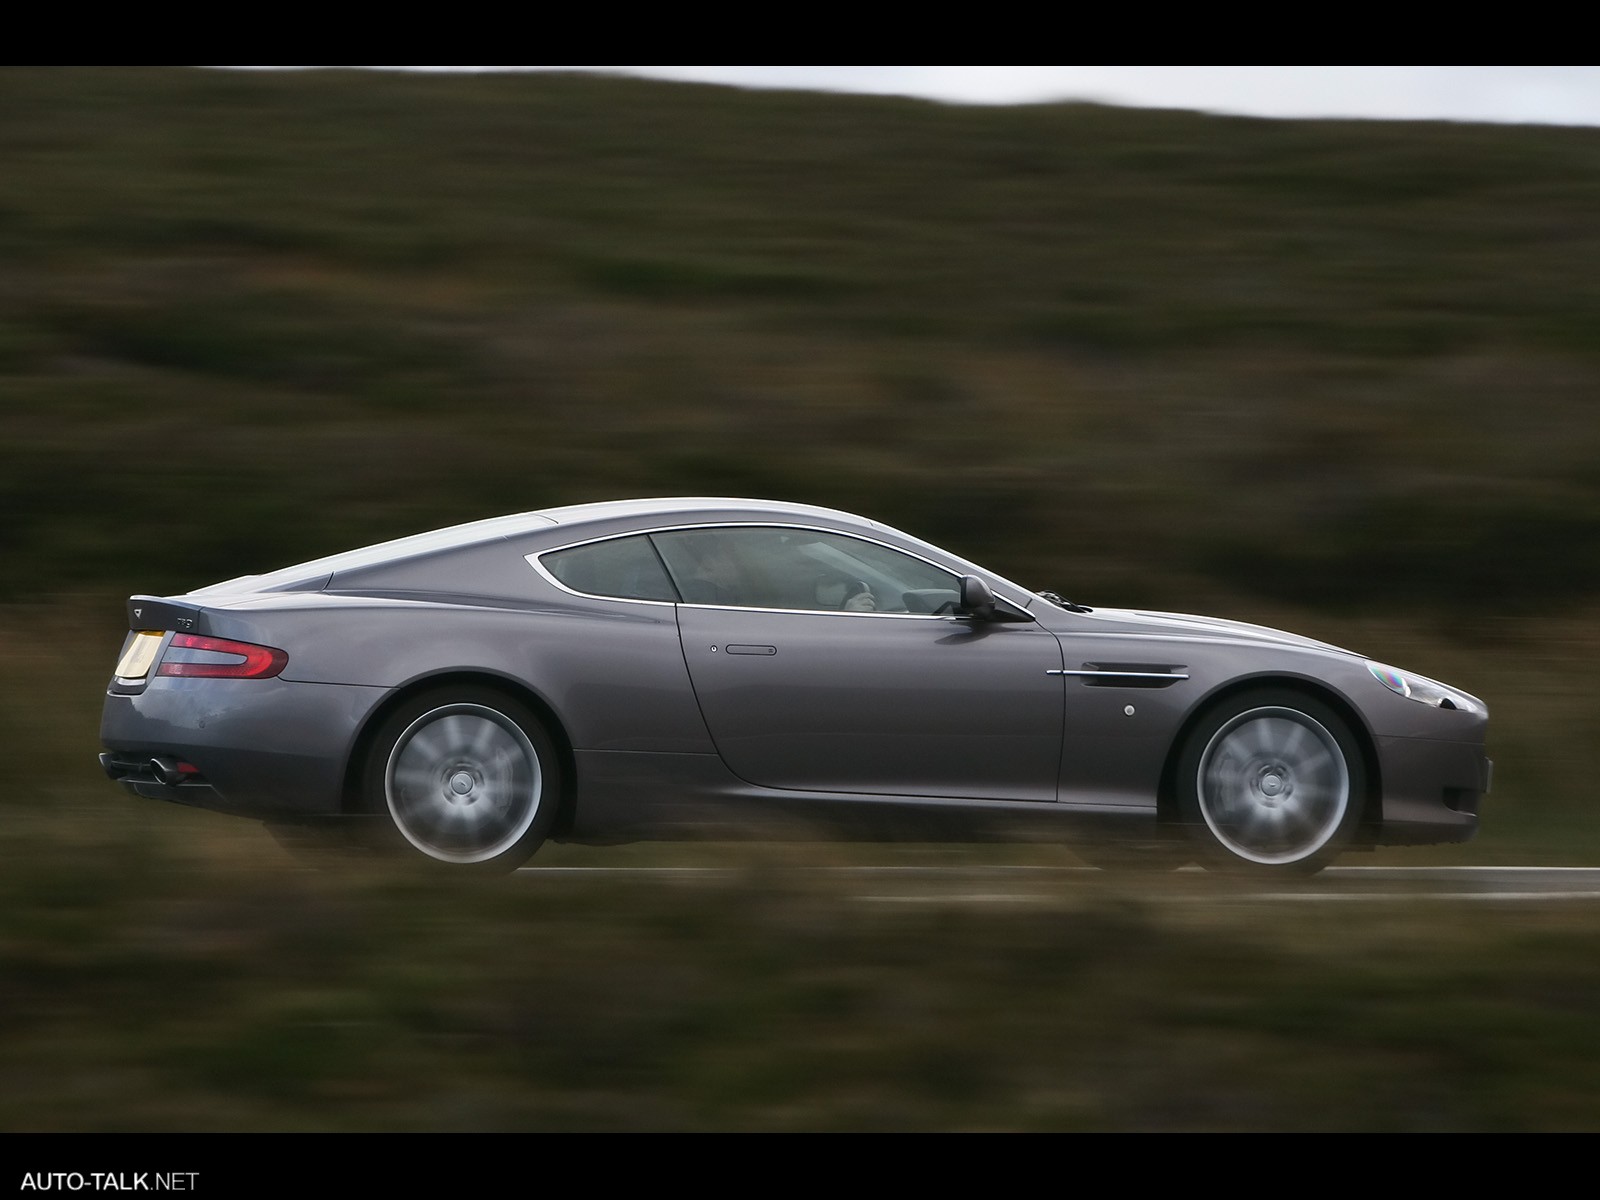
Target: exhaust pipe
167	771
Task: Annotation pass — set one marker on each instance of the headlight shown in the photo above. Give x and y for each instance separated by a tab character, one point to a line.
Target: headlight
1424	690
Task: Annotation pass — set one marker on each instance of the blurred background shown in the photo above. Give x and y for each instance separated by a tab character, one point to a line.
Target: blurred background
1332	375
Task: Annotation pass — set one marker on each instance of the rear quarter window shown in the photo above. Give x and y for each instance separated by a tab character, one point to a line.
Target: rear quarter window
622	568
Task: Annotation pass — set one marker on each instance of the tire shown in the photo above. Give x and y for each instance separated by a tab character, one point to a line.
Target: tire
1273	781
468	778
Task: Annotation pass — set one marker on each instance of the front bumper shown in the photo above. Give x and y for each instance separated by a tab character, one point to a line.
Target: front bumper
1432	790
260	747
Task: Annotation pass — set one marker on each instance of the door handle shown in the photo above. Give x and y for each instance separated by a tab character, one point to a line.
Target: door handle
747	649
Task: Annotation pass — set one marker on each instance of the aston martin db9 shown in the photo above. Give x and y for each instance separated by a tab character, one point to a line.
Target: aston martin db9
667	668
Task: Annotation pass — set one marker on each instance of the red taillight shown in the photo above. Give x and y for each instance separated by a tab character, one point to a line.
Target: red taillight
253	662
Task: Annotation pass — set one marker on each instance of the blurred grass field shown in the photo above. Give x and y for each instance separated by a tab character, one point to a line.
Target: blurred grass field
209	986
1338	377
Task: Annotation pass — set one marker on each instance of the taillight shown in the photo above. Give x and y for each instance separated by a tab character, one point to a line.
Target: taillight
196	657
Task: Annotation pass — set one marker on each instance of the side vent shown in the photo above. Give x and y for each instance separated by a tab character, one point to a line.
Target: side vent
1131	674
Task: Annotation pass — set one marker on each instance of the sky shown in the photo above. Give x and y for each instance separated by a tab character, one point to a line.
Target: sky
1539	95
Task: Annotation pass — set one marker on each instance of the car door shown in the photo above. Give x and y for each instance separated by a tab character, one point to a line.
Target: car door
823	662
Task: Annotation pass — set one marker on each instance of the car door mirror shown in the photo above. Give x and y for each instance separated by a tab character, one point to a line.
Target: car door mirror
977	601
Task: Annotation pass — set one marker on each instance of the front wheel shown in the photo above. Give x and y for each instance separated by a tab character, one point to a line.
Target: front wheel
1272	780
467	777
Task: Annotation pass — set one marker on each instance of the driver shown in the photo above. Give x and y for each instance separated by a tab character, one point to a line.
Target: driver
860	599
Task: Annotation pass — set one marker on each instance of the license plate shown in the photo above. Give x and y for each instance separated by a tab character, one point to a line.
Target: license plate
140	654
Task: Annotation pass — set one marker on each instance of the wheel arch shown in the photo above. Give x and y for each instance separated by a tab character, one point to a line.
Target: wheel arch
1371	803
350	794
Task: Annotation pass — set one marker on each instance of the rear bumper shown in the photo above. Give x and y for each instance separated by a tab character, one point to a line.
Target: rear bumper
1432	790
259	748
140	775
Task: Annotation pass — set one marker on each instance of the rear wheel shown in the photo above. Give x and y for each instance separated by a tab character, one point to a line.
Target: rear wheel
1272	780
466	777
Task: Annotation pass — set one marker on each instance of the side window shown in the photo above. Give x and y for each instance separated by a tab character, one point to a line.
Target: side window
754	567
625	568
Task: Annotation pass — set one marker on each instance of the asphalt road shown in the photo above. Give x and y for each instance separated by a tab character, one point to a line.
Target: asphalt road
1029	884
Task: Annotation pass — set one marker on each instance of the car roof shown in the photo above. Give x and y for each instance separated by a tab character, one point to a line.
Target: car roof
575	522
689	508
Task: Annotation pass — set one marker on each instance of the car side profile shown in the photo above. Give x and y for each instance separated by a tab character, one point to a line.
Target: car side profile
697	667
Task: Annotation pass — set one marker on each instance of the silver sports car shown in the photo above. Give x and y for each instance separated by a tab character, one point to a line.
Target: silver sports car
663	668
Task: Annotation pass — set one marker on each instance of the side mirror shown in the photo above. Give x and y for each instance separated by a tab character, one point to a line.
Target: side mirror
977	601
